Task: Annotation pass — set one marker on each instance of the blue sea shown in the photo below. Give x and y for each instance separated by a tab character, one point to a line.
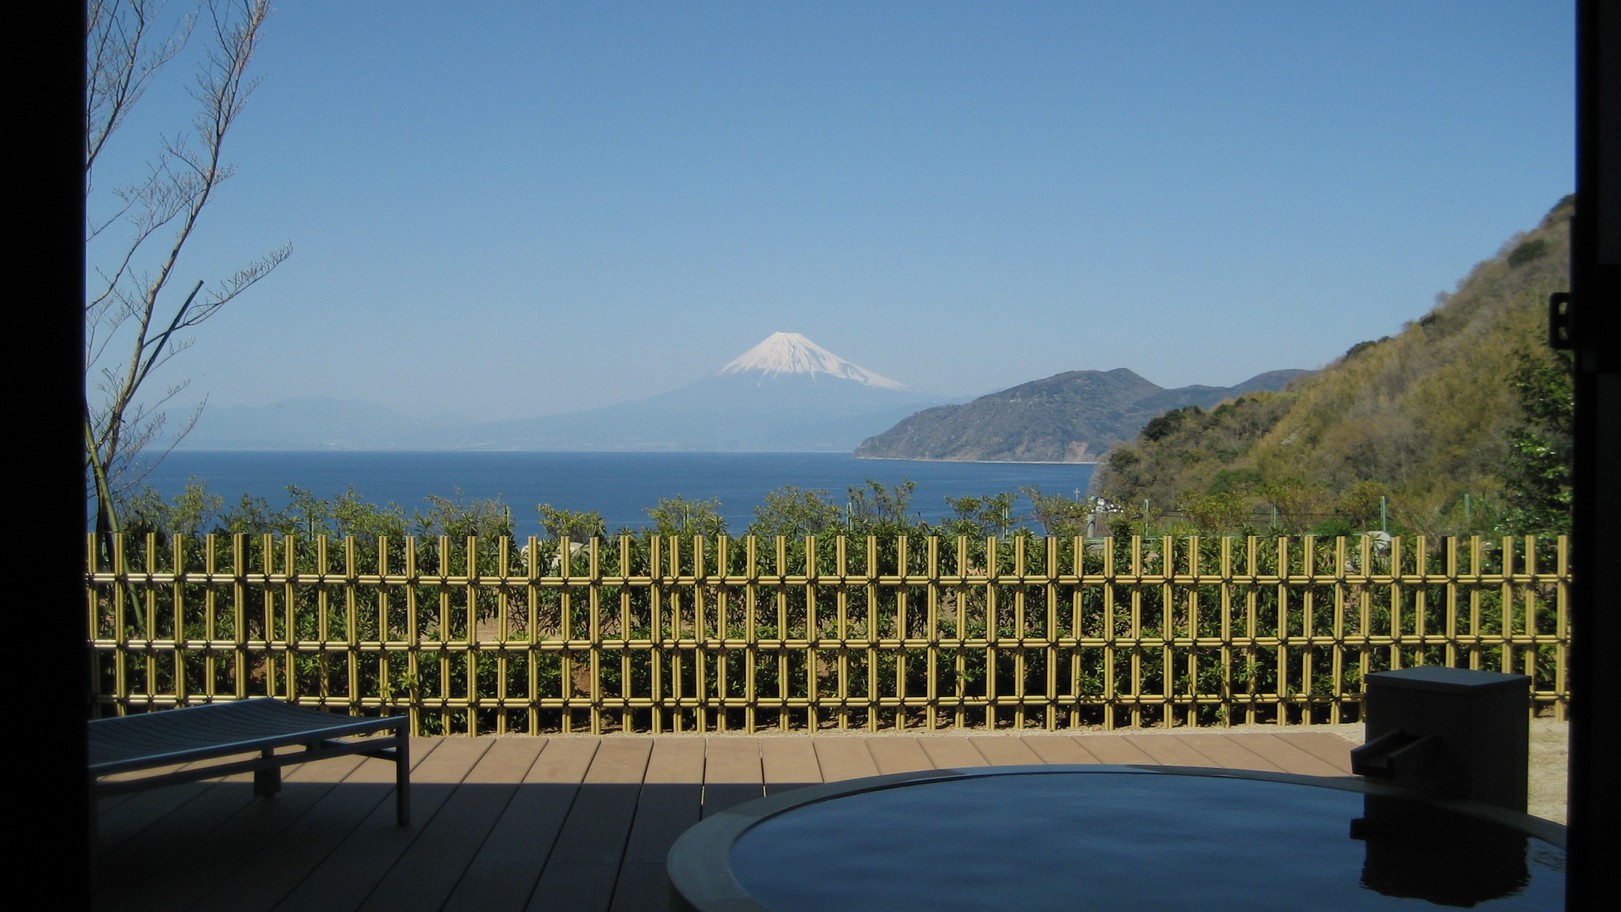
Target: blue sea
619	486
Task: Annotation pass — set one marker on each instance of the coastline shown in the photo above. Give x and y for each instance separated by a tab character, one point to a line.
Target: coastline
1091	462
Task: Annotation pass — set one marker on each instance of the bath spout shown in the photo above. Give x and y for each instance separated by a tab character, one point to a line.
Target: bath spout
1397	755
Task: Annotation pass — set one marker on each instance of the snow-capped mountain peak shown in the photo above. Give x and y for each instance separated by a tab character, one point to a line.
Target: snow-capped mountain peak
792	353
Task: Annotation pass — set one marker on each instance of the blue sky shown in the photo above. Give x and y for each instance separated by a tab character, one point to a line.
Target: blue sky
515	209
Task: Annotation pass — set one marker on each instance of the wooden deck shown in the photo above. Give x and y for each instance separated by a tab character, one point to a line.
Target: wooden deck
570	822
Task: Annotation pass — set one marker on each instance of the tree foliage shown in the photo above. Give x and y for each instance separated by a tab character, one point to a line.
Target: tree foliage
572	525
1537	475
981	516
793	512
685	516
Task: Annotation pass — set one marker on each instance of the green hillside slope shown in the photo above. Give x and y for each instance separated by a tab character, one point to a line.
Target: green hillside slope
1423	418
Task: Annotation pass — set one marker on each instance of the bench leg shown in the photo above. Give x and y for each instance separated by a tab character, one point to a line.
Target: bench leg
402	777
267	781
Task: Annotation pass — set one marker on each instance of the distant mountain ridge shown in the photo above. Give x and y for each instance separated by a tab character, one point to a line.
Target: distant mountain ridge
1069	417
786	394
321	423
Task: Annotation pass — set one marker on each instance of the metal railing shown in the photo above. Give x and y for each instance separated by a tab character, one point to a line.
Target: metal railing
663	634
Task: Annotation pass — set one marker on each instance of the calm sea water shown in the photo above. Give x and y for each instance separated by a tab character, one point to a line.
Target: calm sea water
620	486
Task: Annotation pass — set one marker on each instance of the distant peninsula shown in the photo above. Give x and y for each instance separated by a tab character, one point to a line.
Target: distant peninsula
1070	417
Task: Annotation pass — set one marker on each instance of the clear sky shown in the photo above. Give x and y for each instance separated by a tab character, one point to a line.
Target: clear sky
509	209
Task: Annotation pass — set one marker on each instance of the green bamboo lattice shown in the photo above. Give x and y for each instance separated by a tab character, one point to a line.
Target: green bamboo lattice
670	634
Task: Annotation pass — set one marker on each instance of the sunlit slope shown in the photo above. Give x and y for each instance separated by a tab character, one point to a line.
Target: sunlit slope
1421	417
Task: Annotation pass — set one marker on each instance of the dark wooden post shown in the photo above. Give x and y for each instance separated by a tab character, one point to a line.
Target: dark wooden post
1594	334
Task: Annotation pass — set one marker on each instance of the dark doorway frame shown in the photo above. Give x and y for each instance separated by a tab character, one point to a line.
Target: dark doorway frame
50	380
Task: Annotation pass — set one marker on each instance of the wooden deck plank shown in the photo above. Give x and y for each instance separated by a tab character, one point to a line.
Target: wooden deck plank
432	864
952	752
1004	750
671	799
717	798
574	822
732	772
675	760
732	759
598	823
843	757
1309	753
583	866
367	855
144	814
1054	748
343	794
671	802
429	870
301	848
507	869
120	819
536	813
143	855
642	887
573	887
1110	748
788	762
1231	752
663	813
507	762
899	754
224	824
1171	750
490	886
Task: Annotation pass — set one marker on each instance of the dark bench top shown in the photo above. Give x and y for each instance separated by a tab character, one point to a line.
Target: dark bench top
124	743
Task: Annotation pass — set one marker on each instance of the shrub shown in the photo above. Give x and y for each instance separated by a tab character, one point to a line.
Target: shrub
1533	249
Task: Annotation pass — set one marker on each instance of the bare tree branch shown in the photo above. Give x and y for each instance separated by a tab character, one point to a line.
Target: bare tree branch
120	62
131	308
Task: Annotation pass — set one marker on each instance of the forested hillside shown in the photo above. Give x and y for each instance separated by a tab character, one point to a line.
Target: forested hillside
1459	419
1069	417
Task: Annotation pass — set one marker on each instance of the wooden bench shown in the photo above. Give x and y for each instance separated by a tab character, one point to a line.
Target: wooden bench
210	740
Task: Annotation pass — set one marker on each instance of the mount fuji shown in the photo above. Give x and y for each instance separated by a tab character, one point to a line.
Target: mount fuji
786	394
784	353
